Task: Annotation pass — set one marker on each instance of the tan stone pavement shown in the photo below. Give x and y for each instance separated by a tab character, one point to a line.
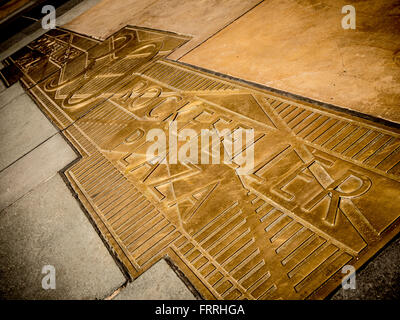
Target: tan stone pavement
295	46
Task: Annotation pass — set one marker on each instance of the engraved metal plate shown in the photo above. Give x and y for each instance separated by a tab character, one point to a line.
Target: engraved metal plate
44	56
322	195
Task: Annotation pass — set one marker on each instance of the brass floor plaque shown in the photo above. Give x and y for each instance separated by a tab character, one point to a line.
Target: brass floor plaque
323	192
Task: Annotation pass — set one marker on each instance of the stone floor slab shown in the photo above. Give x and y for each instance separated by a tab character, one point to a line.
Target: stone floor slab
300	47
39	165
78	7
22	127
48	227
380	279
200	19
160	282
9	94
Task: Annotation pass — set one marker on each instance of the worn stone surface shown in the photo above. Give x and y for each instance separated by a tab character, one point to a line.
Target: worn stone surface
22	128
160	282
301	47
48	227
39	165
9	94
380	279
198	18
73	9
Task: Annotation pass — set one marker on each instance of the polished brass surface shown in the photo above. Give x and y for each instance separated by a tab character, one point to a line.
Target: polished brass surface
322	195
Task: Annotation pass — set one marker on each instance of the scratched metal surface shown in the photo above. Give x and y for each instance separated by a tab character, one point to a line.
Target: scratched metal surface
322	194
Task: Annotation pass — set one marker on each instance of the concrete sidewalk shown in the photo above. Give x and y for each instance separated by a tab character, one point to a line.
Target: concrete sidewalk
41	223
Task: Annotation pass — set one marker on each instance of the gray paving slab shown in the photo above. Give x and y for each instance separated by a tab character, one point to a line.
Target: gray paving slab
48	228
160	282
37	166
379	279
9	94
22	127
